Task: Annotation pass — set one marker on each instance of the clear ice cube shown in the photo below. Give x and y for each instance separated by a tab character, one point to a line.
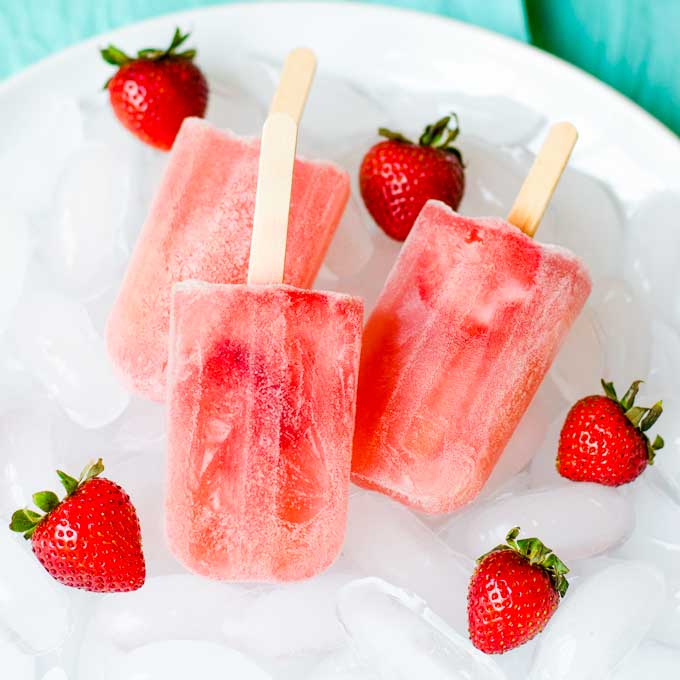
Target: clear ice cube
14	256
396	633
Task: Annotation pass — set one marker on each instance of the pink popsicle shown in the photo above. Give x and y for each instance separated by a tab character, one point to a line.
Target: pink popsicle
262	387
463	333
199	227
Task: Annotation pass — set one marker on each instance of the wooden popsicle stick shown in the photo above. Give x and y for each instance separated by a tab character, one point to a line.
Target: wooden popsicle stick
296	79
275	173
272	200
539	185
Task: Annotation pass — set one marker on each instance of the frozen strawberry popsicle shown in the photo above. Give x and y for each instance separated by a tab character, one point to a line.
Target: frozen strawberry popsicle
262	385
261	400
199	227
463	333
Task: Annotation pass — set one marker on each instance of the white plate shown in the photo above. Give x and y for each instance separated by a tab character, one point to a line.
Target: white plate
378	66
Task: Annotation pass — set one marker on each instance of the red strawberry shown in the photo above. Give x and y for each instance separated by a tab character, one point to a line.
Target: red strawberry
91	539
397	177
513	592
604	439
153	93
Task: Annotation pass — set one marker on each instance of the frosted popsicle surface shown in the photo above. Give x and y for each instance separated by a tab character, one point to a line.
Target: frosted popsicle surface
199	227
463	333
262	391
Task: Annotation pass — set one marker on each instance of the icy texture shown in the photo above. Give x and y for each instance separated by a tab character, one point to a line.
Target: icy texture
262	385
37	139
182	659
543	470
342	665
576	521
649	660
91	200
667	626
57	344
26	460
29	598
464	331
654	269
14	664
14	256
166	609
293	619
200	227
55	673
599	622
385	539
396	633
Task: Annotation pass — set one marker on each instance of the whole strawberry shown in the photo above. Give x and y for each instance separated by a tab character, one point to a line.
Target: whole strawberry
604	439
91	539
152	93
397	176
513	592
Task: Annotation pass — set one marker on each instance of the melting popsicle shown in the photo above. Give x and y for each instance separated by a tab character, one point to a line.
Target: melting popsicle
261	397
200	226
463	333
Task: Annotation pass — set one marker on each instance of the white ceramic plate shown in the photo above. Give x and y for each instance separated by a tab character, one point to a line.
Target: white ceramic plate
377	66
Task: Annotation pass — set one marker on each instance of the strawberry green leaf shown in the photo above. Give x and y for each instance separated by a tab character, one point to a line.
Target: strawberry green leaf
658	443
46	500
629	397
652	416
68	482
609	390
24	520
112	55
635	414
393	136
150	53
91	470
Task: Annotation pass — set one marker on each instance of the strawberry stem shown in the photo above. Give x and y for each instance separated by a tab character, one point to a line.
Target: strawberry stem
25	520
641	417
538	554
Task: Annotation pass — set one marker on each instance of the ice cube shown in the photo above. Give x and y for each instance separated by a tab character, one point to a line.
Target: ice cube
599	621
586	218
182	659
623	325
342	665
396	633
649	660
14	256
83	236
542	471
580	363
56	673
662	383
58	345
653	268
666	629
294	618
38	138
180	606
527	438
27	462
385	539
14	663
656	536
29	598
576	521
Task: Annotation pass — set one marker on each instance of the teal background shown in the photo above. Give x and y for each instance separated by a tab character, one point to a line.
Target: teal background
633	45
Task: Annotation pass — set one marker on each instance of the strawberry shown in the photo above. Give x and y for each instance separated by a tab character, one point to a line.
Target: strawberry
513	592
604	439
91	539
397	176
154	92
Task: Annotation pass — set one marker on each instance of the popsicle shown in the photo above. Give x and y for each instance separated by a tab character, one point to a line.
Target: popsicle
261	398
199	227
465	329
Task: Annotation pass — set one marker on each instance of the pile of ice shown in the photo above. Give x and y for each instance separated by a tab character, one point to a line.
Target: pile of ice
75	188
